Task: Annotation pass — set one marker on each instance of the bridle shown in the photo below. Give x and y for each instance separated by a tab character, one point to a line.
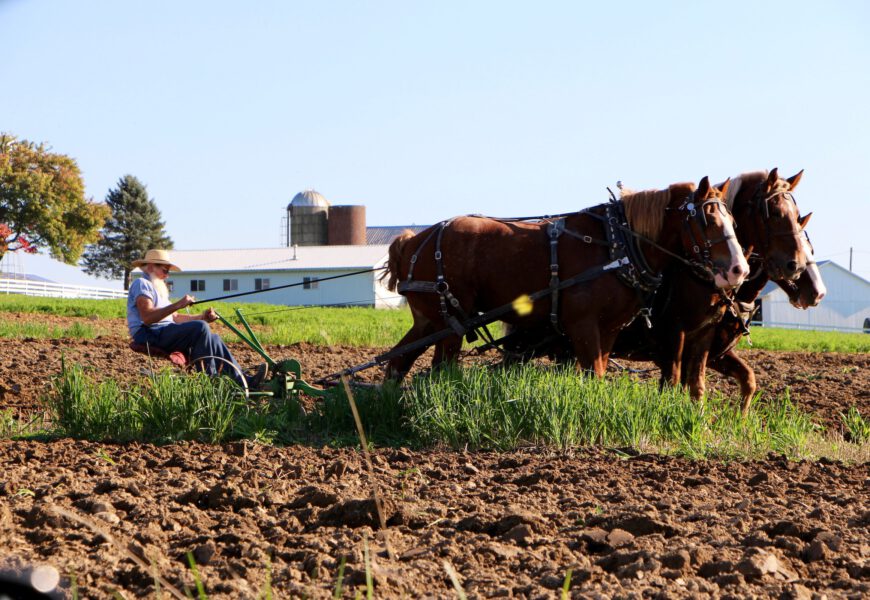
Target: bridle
696	218
762	202
811	260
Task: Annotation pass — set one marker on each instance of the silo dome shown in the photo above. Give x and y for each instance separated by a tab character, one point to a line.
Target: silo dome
308	213
309	198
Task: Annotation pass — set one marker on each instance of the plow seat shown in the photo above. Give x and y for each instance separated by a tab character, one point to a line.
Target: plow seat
177	358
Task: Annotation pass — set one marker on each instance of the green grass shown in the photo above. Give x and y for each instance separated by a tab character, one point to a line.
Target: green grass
470	407
165	408
794	340
65	307
39	330
857	427
352	326
519	406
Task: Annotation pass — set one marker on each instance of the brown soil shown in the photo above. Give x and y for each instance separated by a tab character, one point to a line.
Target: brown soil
510	524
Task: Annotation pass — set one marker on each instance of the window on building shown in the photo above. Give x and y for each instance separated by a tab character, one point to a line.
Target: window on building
170	285
231	285
261	284
197	285
309	283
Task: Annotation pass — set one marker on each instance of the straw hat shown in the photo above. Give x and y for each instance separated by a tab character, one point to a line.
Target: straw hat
156	257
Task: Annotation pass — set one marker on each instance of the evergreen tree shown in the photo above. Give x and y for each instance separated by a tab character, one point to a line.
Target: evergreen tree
133	227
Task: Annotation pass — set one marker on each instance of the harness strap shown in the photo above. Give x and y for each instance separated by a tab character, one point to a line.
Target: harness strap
417	286
554	230
438	228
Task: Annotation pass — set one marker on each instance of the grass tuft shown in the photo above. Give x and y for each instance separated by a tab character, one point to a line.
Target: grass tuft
857	427
471	407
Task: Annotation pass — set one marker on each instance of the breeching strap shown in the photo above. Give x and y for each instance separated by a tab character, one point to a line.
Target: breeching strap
478	321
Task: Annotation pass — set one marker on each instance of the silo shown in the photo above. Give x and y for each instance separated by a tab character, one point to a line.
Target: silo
347	225
308	213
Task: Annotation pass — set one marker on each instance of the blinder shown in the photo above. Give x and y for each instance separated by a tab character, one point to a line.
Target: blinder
701	243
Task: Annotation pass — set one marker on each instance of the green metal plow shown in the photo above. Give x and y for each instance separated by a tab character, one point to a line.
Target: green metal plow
285	376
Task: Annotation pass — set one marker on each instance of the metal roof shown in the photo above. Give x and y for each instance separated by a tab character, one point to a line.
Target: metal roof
385	235
309	198
271	259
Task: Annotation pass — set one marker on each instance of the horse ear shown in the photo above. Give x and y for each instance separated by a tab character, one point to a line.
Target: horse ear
773	177
794	180
805	219
723	187
704	187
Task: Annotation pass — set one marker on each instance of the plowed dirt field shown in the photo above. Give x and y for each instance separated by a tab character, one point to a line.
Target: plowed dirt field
509	524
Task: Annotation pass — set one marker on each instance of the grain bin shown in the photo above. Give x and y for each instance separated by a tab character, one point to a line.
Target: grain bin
308	213
346	225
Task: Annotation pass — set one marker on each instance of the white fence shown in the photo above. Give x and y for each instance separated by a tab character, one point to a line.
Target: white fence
810	327
56	290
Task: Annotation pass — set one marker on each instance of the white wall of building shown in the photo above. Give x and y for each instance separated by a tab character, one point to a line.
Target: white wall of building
362	289
844	307
285	266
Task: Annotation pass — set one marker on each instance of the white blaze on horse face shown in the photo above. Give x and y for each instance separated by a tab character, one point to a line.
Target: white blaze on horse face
739	268
819	289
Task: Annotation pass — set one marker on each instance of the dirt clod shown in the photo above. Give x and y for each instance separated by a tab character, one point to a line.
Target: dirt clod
511	526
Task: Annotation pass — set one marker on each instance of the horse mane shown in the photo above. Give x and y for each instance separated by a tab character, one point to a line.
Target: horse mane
645	210
737	184
391	274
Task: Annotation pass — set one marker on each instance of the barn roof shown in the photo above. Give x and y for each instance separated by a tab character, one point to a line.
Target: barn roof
270	259
386	234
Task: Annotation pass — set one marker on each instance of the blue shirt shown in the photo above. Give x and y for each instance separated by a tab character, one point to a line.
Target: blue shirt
144	287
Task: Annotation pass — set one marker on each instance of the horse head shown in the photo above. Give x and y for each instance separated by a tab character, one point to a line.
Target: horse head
808	289
708	235
778	227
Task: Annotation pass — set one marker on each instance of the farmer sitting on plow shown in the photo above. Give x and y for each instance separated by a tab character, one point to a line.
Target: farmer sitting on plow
152	320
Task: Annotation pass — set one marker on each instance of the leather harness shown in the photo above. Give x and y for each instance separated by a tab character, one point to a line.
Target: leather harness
625	255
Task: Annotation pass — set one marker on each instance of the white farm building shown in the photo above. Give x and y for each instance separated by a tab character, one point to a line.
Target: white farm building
321	241
209	274
845	307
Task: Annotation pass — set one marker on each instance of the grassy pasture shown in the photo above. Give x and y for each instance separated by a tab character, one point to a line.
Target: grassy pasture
794	340
352	326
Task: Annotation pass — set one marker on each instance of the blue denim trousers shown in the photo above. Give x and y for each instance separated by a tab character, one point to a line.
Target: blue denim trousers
196	339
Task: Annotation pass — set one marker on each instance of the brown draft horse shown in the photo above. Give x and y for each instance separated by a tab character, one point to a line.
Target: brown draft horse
487	263
686	310
807	291
688	330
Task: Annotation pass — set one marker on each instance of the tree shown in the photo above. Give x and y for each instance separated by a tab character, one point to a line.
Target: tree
133	227
42	202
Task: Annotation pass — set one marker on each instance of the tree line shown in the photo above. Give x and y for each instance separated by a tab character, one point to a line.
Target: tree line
43	207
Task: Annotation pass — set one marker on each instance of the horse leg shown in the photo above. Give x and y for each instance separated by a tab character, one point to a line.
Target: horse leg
670	360
447	351
695	374
694	362
399	366
731	365
588	351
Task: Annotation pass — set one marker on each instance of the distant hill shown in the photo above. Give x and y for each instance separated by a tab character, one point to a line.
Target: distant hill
22	277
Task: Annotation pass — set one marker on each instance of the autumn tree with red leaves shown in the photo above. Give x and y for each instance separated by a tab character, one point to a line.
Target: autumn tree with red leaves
42	202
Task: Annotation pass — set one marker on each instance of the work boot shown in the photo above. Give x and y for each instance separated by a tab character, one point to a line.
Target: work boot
256	380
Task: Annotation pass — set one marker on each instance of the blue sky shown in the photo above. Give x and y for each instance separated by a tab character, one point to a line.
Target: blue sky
426	110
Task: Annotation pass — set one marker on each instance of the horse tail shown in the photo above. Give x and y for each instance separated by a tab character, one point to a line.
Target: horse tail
395	259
